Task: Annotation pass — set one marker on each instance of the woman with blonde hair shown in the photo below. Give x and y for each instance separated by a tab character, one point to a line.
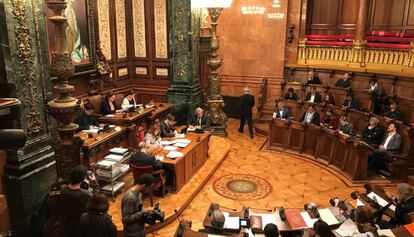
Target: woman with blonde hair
153	137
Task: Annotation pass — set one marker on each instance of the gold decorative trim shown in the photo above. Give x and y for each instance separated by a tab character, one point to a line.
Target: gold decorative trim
26	67
104	28
141	71
161	72
122	72
120	28
140	44
160	17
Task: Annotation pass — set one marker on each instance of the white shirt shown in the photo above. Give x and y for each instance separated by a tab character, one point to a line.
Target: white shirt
373	87
390	135
126	104
281	113
312	98
308	117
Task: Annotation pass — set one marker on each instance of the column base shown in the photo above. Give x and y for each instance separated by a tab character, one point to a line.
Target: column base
219	130
185	99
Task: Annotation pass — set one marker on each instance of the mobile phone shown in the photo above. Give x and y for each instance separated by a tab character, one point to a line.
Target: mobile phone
89	173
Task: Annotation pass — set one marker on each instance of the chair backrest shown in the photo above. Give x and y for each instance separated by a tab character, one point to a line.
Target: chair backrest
138	171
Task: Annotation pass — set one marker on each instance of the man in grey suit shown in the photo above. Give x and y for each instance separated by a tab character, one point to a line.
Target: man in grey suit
281	111
390	146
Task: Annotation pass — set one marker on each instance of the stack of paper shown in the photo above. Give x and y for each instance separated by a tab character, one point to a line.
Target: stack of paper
93	130
113	157
119	150
110	115
380	200
308	220
327	216
348	228
181	145
170	148
231	222
174	154
108	173
115	187
166	143
186	141
106	164
386	232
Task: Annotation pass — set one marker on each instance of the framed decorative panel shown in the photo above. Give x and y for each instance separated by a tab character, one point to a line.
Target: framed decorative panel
120	29
141	71
122	72
104	28
161	72
140	43
160	21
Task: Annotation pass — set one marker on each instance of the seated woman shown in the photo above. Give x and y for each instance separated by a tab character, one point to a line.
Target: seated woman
350	102
328	100
364	220
129	100
329	119
291	95
393	112
345	126
109	105
153	137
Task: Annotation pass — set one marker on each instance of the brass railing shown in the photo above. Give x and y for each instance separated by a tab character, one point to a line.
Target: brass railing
262	97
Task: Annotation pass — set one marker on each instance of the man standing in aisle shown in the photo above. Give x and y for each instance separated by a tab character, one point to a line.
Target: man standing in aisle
246	105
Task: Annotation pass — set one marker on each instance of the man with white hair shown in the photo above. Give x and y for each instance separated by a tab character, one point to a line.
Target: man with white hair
199	120
246	105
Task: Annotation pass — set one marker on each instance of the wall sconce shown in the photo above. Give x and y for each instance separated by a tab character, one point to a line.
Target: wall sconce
290	34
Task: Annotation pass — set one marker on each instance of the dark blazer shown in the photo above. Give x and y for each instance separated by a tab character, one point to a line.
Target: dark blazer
314	80
106	109
373	136
353	104
347	129
403	208
342	83
205	121
314	120
246	104
395	115
294	96
285	113
97	224
394	144
333	121
318	97
143	159
84	121
166	130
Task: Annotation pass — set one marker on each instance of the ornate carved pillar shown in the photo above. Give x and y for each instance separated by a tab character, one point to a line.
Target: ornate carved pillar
184	91
359	41
30	171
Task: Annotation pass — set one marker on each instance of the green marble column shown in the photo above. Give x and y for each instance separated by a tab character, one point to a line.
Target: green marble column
184	91
24	74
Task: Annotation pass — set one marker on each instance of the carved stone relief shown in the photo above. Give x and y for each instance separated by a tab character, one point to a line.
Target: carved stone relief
120	28
140	44
160	17
104	28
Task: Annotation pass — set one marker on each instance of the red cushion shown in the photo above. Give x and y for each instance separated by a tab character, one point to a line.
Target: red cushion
328	43
329	37
389	39
388	46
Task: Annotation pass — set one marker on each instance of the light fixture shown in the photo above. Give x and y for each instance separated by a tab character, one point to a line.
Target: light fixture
276	15
211	3
252	10
276	3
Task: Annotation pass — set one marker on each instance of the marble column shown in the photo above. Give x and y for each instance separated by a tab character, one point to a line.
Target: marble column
29	171
184	90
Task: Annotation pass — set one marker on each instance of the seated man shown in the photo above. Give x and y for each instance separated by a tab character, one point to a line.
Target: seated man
313	96
344	82
271	230
350	102
393	112
345	126
373	133
167	127
86	120
312	78
291	95
310	116
200	120
404	204
329	119
281	111
391	145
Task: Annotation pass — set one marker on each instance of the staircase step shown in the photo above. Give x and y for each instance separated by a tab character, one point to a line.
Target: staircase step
410	180
261	129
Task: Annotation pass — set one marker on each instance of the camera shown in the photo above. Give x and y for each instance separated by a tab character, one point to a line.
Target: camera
153	216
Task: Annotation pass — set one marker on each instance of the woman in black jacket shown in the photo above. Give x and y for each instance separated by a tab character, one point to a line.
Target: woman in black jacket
96	222
109	106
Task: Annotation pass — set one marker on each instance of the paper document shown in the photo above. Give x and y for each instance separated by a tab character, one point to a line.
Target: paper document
386	232
392	207
178	135
232	222
356	203
187	141
174	154
110	115
118	150
380	200
166	143
170	148
161	158
113	157
348	228
191	129
308	220
327	216
93	130
179	144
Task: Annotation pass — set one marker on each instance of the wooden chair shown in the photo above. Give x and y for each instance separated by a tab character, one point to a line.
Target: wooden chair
138	171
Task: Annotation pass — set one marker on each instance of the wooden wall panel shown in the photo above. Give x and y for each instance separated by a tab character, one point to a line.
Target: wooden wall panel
387	14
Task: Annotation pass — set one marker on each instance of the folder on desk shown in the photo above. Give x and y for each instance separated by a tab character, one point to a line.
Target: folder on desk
308	220
295	219
118	150
327	216
256	222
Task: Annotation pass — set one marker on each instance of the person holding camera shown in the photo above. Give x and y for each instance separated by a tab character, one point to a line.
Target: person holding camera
132	207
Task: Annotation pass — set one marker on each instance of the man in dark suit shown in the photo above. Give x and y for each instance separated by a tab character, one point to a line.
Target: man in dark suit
393	112
246	105
167	127
313	96
373	133
281	111
143	157
291	95
390	146
199	120
312	78
310	116
344	82
86	120
350	102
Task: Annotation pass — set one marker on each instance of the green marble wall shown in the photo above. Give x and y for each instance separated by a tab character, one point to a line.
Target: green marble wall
29	172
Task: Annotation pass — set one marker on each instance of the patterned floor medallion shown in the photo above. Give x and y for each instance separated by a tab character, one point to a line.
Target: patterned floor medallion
242	187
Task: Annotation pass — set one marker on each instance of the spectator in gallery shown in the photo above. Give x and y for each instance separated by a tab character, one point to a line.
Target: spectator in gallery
344	82
281	111
129	100
153	137
393	112
291	95
310	116
86	119
313	96
312	78
96	222
108	105
390	146
373	133
271	230
375	89
350	102
328	99
329	119
345	126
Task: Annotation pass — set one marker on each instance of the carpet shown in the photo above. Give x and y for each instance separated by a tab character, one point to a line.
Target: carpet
242	187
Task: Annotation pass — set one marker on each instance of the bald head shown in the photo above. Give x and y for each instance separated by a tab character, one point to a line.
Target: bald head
246	90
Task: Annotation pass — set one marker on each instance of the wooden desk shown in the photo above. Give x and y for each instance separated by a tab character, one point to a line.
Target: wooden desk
96	148
195	155
160	110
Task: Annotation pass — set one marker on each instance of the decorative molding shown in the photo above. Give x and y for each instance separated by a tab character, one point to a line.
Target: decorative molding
161	72
141	71
122	72
26	67
104	28
160	18
120	28
140	44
